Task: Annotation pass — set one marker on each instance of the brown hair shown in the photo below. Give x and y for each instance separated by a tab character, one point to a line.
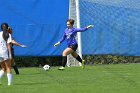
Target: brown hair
71	21
10	30
5	32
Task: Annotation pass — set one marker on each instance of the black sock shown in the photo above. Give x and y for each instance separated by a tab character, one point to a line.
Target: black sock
79	58
16	69
64	61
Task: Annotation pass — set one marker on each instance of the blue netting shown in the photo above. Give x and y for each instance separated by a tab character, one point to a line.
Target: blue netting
117	27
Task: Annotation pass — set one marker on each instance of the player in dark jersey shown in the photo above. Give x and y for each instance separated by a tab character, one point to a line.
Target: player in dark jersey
70	34
13	64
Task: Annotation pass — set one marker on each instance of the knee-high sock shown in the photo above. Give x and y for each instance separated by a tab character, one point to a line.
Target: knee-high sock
16	69
1	73
64	61
79	58
9	76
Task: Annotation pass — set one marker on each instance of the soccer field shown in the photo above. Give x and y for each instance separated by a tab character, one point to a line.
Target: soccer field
120	78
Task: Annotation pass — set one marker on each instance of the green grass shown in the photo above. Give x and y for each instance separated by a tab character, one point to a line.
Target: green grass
120	78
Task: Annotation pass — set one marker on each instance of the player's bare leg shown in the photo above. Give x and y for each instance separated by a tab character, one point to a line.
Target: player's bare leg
66	52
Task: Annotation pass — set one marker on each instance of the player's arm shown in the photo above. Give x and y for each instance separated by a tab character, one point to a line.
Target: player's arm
9	50
18	44
62	39
9	41
83	29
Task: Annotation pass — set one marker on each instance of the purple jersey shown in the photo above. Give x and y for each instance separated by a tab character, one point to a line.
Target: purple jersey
70	35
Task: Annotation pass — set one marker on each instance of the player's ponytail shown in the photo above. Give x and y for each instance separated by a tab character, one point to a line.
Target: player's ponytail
10	30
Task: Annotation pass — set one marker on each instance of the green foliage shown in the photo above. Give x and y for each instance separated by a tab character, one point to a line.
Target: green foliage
89	59
37	61
110	59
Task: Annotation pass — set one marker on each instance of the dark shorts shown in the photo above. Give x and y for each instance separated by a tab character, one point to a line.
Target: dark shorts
12	51
73	47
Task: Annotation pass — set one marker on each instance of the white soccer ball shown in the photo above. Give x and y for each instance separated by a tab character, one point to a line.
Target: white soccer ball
46	67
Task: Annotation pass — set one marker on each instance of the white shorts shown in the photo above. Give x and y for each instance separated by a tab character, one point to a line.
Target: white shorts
1	59
3	56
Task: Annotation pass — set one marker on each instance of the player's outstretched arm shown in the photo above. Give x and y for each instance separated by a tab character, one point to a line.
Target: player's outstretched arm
56	44
90	26
83	29
62	39
23	46
17	44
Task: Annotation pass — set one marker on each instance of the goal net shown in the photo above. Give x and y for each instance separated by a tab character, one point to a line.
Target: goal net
116	27
73	15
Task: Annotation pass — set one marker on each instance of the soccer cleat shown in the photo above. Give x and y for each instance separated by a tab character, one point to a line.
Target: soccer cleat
61	68
83	64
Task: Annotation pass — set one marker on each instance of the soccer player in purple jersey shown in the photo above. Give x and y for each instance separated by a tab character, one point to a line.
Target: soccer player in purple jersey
70	34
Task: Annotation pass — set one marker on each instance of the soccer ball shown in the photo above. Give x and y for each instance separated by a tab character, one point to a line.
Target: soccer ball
46	67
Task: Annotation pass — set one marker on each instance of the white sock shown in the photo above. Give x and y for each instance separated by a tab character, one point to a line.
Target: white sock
9	76
1	73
